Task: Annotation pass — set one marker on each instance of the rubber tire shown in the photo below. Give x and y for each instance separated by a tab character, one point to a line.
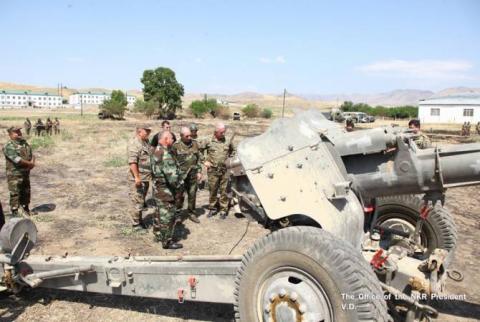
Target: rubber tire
439	228
332	262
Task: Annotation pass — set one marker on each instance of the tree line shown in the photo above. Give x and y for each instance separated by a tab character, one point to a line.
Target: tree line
401	112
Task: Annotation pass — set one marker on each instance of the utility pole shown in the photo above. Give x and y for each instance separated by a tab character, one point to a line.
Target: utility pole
283	108
81	105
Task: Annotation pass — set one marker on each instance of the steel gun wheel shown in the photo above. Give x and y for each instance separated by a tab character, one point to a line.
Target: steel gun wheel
305	274
402	213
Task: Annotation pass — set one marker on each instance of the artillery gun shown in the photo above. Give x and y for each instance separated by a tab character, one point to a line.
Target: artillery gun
329	261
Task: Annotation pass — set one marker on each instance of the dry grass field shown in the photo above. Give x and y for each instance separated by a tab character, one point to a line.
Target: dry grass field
79	188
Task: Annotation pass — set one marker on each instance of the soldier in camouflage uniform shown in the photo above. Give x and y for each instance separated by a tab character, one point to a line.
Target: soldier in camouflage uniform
28	125
421	140
218	149
39	127
193	130
19	162
56	126
166	181
140	173
48	126
188	157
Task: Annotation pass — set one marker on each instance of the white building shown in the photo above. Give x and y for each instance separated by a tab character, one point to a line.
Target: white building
450	109
90	98
24	99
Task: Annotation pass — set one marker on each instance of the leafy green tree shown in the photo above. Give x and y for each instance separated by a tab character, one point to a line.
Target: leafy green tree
116	105
267	113
161	87
251	110
147	108
393	112
198	108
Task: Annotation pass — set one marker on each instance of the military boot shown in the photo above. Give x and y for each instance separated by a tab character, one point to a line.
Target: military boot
211	213
223	214
170	244
193	217
29	212
138	228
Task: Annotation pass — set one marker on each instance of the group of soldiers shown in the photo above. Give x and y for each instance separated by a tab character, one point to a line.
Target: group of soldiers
467	126
43	128
174	168
19	162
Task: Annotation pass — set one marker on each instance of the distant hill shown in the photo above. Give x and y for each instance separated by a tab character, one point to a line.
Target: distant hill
393	98
457	91
275	101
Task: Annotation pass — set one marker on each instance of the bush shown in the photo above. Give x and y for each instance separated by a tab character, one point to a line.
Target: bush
267	113
147	108
198	108
251	110
393	112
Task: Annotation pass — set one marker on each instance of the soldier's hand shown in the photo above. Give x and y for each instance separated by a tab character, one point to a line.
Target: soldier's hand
207	164
199	177
138	182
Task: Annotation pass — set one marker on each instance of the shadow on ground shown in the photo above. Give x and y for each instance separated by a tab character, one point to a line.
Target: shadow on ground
15	305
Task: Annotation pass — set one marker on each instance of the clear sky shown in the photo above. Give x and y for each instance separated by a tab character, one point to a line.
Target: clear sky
214	46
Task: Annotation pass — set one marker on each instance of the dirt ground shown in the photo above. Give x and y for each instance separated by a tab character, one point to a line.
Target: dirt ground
79	188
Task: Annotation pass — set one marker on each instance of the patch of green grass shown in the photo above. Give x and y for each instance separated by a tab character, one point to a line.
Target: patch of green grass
43	218
115	162
12	118
41	142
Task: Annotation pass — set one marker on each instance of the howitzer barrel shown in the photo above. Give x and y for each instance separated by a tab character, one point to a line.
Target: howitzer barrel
460	164
407	171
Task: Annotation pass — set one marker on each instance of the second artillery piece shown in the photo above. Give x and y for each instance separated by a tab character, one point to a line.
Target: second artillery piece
330	258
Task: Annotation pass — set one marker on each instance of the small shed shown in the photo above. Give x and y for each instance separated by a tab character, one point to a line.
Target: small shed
450	109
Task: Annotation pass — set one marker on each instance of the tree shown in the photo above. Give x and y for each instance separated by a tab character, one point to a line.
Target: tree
161	87
199	108
116	105
251	110
267	113
147	108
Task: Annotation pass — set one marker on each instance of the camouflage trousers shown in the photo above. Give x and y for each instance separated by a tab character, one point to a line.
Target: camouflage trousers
19	187
190	186
164	218
27	129
217	184
137	196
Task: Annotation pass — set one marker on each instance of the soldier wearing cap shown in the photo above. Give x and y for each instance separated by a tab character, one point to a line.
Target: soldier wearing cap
140	173
19	161
193	130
